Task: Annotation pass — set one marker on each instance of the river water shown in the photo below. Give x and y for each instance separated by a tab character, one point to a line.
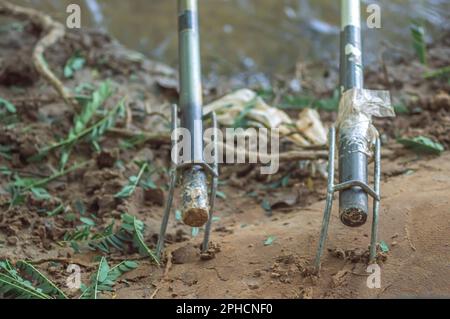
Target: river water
252	36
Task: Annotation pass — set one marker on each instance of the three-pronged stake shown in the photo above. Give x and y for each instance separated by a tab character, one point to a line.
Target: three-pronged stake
212	171
332	188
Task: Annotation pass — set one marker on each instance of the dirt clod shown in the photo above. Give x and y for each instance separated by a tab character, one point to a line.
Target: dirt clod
185	254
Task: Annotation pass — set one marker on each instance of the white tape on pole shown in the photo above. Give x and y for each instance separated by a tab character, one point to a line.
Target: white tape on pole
350	13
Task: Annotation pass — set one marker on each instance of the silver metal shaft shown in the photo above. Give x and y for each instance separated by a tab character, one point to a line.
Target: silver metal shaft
195	207
353	202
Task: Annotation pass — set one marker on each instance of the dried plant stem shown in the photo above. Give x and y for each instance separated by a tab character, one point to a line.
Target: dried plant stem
54	32
164	138
51	178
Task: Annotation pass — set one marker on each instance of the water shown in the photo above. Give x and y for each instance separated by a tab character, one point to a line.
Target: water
258	37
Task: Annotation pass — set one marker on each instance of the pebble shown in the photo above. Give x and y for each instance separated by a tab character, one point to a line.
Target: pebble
12	240
253	286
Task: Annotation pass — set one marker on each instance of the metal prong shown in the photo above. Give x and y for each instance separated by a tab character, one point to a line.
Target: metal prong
376	202
162	232
173	180
214	182
329	201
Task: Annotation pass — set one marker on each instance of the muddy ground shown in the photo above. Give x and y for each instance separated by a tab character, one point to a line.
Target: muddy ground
265	232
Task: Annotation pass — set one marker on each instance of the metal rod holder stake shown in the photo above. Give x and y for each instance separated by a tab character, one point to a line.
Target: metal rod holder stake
213	172
332	188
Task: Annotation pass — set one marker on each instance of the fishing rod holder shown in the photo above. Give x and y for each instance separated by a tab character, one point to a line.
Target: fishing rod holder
211	170
332	188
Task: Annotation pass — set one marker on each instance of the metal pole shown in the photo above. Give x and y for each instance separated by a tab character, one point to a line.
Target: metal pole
195	211
353	205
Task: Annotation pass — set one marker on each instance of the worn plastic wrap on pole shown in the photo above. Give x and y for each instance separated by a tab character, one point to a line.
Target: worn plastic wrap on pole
357	134
354	122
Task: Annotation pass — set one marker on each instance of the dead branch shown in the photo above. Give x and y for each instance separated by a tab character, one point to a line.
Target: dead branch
164	138
54	32
289	156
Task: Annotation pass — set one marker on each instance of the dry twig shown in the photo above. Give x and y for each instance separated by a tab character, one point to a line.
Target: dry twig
54	32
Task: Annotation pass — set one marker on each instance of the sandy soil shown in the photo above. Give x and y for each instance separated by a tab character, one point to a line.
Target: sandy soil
415	228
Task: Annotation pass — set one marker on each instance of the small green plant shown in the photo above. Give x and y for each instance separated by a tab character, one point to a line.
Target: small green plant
8	106
45	284
81	121
241	120
133	182
441	72
269	241
422	144
75	63
81	129
8	112
105	278
418	37
296	102
37	286
20	186
130	234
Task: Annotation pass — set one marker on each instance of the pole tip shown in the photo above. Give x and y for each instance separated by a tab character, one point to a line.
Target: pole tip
195	210
353	217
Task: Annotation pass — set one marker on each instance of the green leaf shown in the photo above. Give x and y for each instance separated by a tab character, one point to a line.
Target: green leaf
59	209
148	184
7	105
422	144
82	120
285	180
418	37
80	207
93	290
129	189
401	109
139	241
75	63
40	193
80	128
240	120
45	284
221	195
12	285
79	234
329	105
129	235
120	269
384	247
269	241
195	231
106	277
441	72
87	221
296	102
266	206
